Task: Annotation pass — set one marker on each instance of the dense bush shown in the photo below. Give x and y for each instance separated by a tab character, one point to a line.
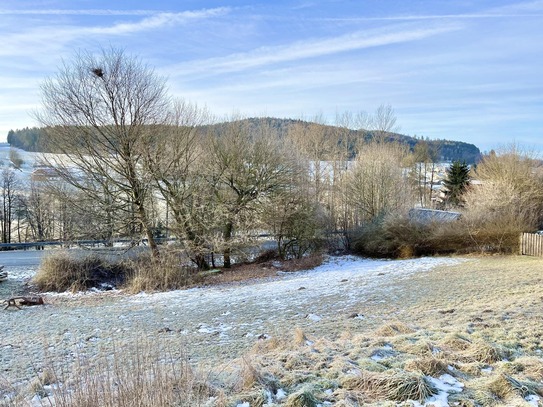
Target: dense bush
399	236
62	272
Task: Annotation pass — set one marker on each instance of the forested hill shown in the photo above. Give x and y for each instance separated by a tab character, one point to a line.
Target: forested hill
33	139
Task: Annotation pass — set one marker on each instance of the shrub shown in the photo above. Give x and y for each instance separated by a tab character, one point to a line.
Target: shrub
399	236
63	272
169	271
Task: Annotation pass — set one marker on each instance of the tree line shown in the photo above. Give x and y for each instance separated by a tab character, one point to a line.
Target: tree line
131	161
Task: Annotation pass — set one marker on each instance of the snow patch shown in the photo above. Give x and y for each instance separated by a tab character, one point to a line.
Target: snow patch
445	384
533	400
280	394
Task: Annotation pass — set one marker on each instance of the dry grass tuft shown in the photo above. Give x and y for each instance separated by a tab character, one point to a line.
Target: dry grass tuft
500	387
428	366
393	329
457	342
62	272
484	352
249	376
529	366
169	271
257	398
397	385
144	377
524	387
303	398
299	361
299	337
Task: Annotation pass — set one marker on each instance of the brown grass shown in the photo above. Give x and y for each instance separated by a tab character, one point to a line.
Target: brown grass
261	269
304	263
396	385
393	329
428	366
169	271
63	272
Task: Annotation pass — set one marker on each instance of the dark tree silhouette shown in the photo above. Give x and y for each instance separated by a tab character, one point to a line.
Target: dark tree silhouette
456	182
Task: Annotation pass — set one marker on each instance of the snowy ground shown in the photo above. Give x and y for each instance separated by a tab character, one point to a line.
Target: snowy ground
209	324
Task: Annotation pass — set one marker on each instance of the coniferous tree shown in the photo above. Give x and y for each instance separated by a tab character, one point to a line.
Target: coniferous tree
456	182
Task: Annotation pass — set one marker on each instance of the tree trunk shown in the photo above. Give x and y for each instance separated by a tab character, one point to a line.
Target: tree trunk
227	235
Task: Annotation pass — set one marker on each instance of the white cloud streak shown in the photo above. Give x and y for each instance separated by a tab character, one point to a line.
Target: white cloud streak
308	49
47	39
88	12
522	10
159	20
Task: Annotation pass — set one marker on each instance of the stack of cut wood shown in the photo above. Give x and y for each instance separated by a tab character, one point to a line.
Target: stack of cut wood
3	274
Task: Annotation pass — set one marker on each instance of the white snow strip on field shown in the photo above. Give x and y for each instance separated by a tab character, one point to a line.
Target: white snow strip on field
336	276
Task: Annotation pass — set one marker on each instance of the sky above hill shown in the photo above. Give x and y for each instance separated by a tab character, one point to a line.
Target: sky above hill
469	70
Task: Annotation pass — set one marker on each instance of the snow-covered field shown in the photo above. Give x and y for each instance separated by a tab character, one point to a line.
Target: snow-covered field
209	323
355	315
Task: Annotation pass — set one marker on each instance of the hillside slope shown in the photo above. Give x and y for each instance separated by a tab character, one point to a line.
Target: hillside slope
34	139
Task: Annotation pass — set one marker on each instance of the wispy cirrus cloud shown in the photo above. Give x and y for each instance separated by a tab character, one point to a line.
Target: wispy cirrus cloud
49	38
433	17
159	20
521	9
84	12
309	49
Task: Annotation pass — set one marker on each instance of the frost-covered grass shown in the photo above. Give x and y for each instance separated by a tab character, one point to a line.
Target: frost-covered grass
436	331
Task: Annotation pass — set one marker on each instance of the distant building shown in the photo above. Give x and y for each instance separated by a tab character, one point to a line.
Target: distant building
44	174
425	216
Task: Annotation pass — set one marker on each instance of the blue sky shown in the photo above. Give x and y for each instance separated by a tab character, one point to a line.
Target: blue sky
462	70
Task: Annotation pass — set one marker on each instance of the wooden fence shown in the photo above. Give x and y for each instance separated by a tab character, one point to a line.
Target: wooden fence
531	244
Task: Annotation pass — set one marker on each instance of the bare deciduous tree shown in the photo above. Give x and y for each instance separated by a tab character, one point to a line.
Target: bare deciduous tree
376	184
101	112
423	171
176	162
39	216
246	170
10	186
383	122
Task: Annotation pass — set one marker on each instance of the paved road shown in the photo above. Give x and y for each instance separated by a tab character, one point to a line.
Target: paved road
22	257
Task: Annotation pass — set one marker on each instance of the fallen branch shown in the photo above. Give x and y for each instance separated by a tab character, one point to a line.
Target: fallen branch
28	301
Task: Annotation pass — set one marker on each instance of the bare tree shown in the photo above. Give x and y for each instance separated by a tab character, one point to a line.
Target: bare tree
39	215
176	162
508	184
423	171
246	170
383	121
376	184
505	198
10	186
15	158
102	112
